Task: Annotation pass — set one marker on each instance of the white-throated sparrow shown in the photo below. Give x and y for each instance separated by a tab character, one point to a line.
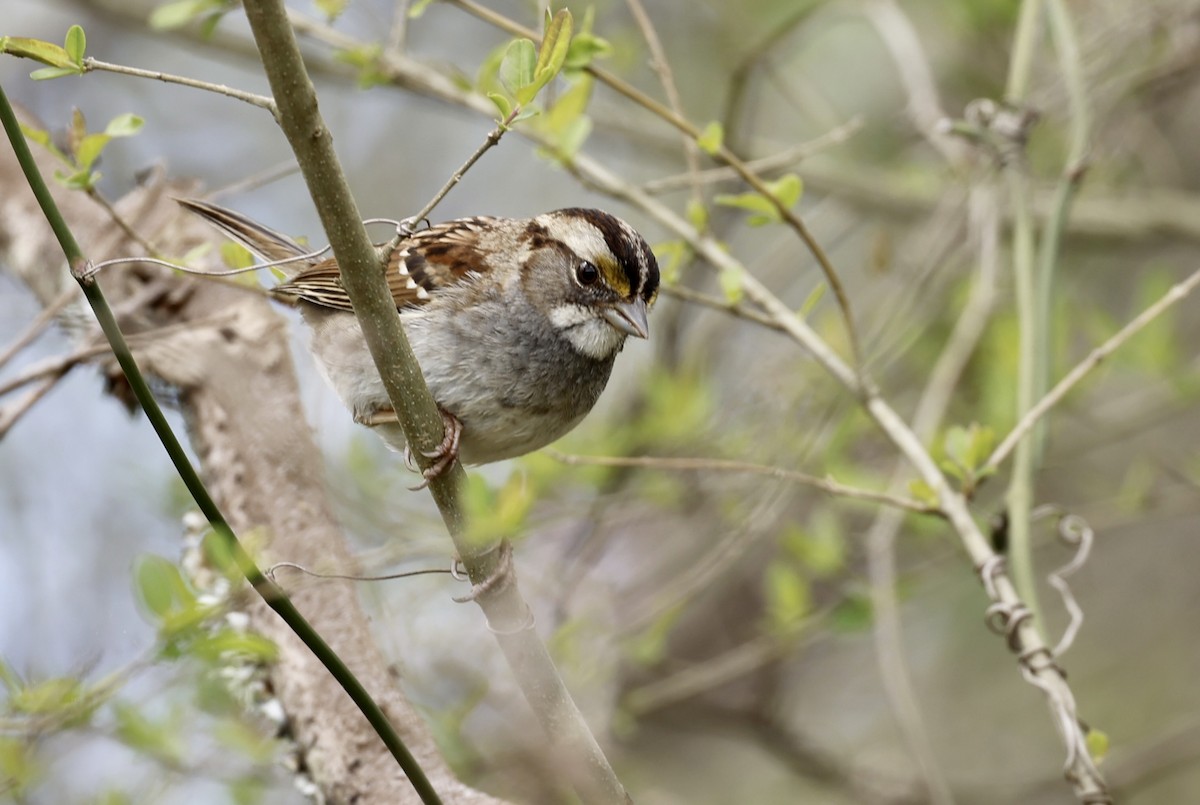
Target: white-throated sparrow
515	322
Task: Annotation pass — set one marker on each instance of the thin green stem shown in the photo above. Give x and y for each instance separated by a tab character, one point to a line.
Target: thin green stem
274	597
1062	34
1025	41
1020	488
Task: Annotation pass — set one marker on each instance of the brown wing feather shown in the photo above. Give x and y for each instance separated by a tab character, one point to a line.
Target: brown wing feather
419	267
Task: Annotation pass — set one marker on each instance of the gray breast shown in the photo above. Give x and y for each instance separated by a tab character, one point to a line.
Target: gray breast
510	378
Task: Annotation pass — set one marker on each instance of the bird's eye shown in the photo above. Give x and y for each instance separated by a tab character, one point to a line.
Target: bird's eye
587	273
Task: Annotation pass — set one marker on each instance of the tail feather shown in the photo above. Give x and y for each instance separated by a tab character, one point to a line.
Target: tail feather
264	242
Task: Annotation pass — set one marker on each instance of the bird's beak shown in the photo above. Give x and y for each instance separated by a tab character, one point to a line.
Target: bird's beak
629	317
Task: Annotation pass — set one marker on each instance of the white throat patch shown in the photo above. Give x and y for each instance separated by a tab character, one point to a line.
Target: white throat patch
590	334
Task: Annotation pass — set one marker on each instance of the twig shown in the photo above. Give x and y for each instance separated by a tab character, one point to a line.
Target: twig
662	67
924	107
768	164
1062	34
11	413
826	484
706	570
51	367
696	679
256	180
118	219
1025	40
261	101
1036	412
398	33
40	322
489	142
720	303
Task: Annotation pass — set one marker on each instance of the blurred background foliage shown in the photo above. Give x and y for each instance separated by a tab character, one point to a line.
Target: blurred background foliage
716	626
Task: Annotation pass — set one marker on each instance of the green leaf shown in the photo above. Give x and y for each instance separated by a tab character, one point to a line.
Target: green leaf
573	137
418	8
160	587
923	492
711	138
36	49
503	104
39	136
585	48
50	696
697	214
570	106
566	123
811	300
157	739
365	59
649	647
965	451
525	114
516	69
1097	744
496	513
235	255
786	189
19	767
789	597
332	9
46	73
183	12
820	548
229	642
730	281
75	45
853	613
89	148
125	125
555	42
671	255
245	740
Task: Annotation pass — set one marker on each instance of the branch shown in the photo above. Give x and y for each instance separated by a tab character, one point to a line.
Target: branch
489	569
1071	379
261	101
827	485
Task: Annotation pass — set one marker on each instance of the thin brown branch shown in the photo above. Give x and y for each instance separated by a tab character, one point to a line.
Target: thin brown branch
685	294
14	411
662	67
261	101
40	322
52	367
827	484
1083	368
768	164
